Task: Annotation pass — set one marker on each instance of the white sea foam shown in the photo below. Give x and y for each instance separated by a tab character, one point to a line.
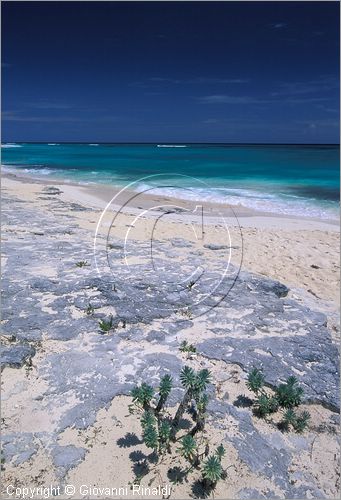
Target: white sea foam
94	144
52	144
11	145
39	171
256	200
171	146
34	169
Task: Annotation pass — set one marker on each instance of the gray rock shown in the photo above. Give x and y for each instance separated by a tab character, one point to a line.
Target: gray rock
16	355
67	457
51	190
18	448
180	243
215	246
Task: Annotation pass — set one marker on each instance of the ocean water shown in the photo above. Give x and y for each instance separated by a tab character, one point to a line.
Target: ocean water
300	180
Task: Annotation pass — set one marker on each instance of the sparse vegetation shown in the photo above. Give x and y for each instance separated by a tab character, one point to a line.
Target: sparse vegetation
186	347
82	263
186	313
255	380
90	310
190	285
298	422
164	434
212	471
287	396
106	325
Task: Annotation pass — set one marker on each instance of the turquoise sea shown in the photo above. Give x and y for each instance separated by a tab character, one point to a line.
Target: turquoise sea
299	180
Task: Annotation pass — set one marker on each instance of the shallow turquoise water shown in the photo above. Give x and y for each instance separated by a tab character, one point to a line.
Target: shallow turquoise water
290	179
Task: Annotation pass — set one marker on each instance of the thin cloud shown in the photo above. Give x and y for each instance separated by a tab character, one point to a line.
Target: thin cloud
155	80
230	99
16	116
323	84
227	99
319	123
217	80
279	26
328	109
48	104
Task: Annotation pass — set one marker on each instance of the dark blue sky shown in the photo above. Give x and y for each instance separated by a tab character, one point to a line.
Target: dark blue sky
171	71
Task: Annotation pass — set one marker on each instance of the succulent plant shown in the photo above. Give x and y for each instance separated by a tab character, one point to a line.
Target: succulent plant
255	380
195	383
148	419
82	263
164	391
298	422
289	418
165	432
212	471
90	310
105	325
186	347
203	377
151	437
188	447
302	421
143	395
289	394
265	405
187	377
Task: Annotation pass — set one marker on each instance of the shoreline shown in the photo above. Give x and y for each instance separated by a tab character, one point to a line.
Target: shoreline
99	195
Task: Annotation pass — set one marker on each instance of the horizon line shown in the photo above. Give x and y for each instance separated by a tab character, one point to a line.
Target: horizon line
182	143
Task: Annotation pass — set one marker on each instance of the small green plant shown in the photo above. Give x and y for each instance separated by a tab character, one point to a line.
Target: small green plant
164	391
298	422
151	437
186	313
190	285
188	447
106	325
186	347
212	471
302	421
289	418
90	310
82	263
265	405
143	395
195	384
165	430
287	396
255	380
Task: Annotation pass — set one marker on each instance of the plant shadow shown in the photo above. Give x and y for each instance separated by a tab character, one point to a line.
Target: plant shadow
199	491
137	456
140	469
185	424
130	439
243	401
176	475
